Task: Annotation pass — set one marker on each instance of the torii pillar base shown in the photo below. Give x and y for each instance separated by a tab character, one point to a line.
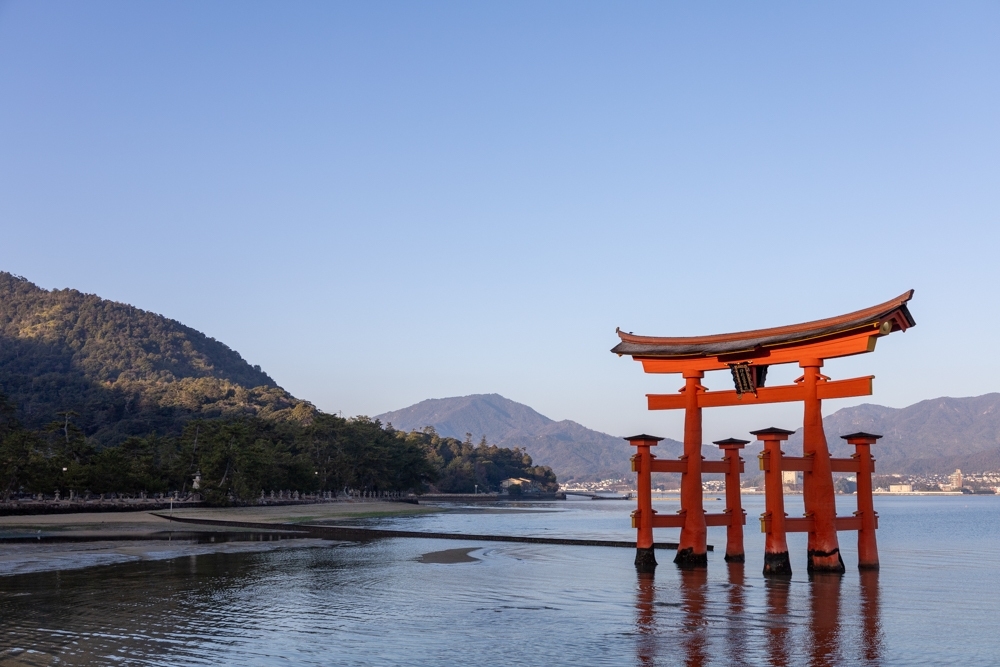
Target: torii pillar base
777	565
688	558
645	560
821	562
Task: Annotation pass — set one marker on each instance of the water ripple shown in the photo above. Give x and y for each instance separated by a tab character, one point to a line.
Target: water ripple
521	604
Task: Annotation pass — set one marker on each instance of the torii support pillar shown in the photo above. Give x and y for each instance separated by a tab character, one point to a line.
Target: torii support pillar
734	508
642	517
817	484
776	562
867	547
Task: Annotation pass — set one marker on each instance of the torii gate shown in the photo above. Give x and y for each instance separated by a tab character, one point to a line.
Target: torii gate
747	356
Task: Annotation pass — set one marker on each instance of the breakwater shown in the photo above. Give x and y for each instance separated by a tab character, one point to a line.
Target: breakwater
357	534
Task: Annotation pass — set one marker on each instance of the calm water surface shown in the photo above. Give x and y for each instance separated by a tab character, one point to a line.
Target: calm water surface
935	600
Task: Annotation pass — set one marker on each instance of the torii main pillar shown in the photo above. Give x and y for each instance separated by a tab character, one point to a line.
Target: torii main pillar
823	548
692	549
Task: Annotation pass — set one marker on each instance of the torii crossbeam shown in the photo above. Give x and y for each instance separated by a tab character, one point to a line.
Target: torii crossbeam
747	356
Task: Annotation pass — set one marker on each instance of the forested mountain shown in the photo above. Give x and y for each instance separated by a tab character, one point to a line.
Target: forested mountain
573	451
101	397
121	371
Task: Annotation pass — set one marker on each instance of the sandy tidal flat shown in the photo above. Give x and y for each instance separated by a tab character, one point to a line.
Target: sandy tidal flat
69	541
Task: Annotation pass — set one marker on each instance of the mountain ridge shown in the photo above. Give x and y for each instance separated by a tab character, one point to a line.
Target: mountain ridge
120	370
933	436
572	450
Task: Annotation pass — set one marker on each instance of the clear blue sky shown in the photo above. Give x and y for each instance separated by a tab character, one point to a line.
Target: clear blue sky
385	202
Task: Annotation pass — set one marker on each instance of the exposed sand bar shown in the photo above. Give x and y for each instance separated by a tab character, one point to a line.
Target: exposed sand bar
28	558
45	542
314	513
104	523
449	556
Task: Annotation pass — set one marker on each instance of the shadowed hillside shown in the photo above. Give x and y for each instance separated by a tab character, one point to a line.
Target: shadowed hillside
122	370
571	450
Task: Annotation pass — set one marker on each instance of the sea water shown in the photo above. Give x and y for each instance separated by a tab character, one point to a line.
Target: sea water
935	601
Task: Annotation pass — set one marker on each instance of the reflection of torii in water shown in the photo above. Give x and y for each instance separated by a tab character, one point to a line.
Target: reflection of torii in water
746	356
784	637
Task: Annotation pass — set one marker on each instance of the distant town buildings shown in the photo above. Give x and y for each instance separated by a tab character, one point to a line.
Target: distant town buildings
957	482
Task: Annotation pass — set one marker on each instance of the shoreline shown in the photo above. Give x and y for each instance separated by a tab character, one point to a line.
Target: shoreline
51	542
150	521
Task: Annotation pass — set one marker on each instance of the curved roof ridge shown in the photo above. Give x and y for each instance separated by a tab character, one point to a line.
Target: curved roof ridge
731	342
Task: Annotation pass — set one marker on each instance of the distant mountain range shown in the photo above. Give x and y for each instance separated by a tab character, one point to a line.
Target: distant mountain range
933	436
573	451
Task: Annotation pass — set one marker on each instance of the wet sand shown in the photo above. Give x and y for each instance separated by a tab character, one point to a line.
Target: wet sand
71	541
103	523
318	513
24	558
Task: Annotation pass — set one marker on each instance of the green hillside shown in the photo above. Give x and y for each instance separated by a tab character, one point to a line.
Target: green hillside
101	397
123	371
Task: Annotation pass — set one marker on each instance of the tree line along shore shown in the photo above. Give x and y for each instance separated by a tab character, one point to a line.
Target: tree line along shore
234	460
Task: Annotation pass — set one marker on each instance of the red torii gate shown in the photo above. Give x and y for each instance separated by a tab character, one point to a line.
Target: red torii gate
747	356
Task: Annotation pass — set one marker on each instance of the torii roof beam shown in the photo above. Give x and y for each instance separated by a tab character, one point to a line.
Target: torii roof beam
853	333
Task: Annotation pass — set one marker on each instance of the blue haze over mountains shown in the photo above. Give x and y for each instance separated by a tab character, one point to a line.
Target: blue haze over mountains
932	436
571	450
